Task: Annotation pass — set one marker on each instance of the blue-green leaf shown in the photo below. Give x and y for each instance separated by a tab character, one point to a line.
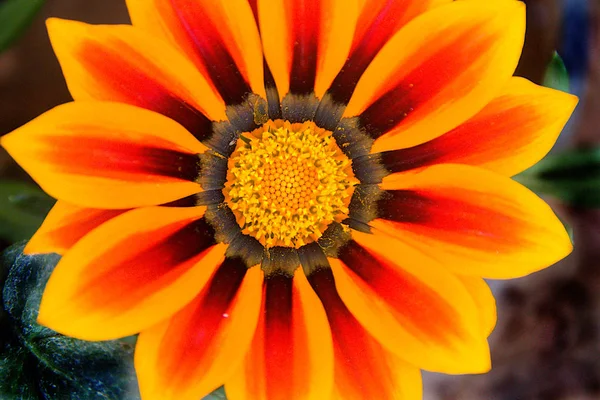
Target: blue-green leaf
23	208
38	363
556	76
218	394
15	17
573	177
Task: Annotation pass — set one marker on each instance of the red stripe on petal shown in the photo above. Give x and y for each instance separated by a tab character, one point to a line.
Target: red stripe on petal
361	371
129	85
438	71
471	139
475	222
254	6
306	42
291	355
117	159
108	155
69	234
376	25
405	99
272	93
510	134
425	154
402	291
210	44
201	323
278	331
378	21
65	225
445	217
305	30
189	355
130	273
410	304
178	250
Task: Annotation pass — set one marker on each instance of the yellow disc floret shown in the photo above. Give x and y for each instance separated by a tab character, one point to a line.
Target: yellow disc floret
287	182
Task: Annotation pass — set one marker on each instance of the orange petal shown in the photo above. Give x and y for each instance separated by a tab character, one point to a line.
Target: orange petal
378	21
191	354
409	303
131	273
512	133
473	221
291	356
124	64
107	155
306	42
219	36
363	368
438	71
64	225
484	300
270	85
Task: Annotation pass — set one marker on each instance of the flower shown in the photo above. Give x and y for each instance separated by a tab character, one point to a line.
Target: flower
297	199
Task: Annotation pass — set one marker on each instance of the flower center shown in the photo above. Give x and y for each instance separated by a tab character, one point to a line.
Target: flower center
287	182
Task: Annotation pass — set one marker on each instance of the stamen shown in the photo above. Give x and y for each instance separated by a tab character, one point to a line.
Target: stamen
287	182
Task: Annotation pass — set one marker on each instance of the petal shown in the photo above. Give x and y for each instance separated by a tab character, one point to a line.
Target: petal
64	225
130	273
378	21
270	85
512	133
484	300
409	303
438	71
306	42
107	155
121	63
291	356
473	221
219	36
363	368
192	353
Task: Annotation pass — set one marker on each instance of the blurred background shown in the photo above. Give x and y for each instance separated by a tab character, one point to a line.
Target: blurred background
547	342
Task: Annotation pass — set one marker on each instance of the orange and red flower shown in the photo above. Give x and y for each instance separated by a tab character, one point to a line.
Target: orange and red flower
297	199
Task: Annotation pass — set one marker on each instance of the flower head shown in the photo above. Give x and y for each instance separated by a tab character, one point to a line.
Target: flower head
297	199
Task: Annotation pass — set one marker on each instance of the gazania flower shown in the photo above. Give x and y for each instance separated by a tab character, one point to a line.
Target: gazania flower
297	199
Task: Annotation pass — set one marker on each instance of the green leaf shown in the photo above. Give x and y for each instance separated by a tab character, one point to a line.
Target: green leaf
218	394
38	363
556	76
15	17
23	208
573	177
